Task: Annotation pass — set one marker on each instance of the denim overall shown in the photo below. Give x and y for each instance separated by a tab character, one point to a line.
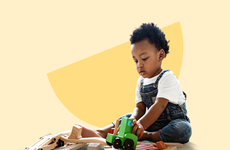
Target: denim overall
173	124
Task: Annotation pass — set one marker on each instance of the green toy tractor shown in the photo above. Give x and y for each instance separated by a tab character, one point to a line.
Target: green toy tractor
124	139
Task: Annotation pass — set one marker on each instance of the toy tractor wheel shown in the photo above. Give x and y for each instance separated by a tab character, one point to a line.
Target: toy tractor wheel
117	143
110	144
129	144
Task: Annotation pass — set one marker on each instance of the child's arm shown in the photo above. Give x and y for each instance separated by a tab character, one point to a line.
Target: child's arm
138	111
154	112
150	117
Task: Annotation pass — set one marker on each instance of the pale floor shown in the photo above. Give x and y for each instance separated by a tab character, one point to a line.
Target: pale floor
187	146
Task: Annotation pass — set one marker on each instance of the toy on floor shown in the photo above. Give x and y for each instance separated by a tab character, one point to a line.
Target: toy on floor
72	140
71	146
124	138
152	146
65	139
94	146
146	147
161	145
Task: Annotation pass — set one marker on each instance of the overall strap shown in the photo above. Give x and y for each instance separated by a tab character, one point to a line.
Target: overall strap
159	77
157	80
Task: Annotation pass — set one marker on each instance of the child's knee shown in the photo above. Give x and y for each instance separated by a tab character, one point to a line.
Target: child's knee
125	116
176	131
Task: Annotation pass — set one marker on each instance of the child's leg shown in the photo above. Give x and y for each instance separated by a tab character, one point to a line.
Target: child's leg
178	130
87	132
151	136
104	131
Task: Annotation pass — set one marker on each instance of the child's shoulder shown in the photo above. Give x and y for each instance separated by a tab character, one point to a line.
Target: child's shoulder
167	73
164	75
169	78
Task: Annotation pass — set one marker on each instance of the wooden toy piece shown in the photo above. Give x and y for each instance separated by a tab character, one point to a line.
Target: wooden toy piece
116	126
146	147
47	142
71	146
179	145
66	133
85	140
146	143
61	139
94	146
170	148
107	147
161	145
76	132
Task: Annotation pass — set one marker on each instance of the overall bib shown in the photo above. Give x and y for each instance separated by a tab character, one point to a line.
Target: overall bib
173	124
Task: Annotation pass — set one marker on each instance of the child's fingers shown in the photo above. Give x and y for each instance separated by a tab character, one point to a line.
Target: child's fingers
140	132
134	122
135	127
141	135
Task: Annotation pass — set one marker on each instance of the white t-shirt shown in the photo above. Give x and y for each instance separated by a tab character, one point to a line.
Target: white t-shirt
168	88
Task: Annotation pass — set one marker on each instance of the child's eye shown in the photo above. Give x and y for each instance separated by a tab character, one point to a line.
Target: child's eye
135	60
145	58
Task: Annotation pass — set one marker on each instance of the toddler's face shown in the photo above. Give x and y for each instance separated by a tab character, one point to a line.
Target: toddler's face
147	58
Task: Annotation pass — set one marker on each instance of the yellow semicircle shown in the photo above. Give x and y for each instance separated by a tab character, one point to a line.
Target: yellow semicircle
101	88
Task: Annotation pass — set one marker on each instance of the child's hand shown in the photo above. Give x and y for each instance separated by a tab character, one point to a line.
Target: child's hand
138	128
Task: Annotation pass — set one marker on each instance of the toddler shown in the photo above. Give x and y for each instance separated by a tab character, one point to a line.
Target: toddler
160	113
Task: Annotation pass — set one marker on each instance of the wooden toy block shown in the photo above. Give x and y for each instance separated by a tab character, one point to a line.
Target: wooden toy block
179	145
116	126
71	146
76	132
66	133
85	140
49	141
146	147
170	148
67	140
146	143
161	145
151	146
94	146
107	147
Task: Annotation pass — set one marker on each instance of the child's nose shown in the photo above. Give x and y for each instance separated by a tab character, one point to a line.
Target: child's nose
140	64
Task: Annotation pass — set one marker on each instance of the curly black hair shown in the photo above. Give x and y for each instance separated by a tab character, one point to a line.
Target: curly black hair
153	34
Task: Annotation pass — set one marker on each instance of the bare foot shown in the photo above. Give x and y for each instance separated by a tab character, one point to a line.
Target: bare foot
87	132
151	136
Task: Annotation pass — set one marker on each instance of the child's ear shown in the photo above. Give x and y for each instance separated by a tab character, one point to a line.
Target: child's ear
161	54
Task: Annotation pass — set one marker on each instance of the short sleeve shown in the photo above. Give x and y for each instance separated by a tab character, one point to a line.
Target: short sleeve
169	88
138	96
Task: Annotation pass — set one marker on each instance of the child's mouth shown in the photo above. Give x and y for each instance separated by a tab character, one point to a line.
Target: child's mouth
142	73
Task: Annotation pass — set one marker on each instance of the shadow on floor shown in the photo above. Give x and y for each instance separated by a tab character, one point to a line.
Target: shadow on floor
189	146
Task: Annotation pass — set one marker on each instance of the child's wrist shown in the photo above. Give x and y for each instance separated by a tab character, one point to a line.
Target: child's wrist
132	117
141	123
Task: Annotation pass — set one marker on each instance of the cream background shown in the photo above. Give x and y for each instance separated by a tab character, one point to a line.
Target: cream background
39	37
